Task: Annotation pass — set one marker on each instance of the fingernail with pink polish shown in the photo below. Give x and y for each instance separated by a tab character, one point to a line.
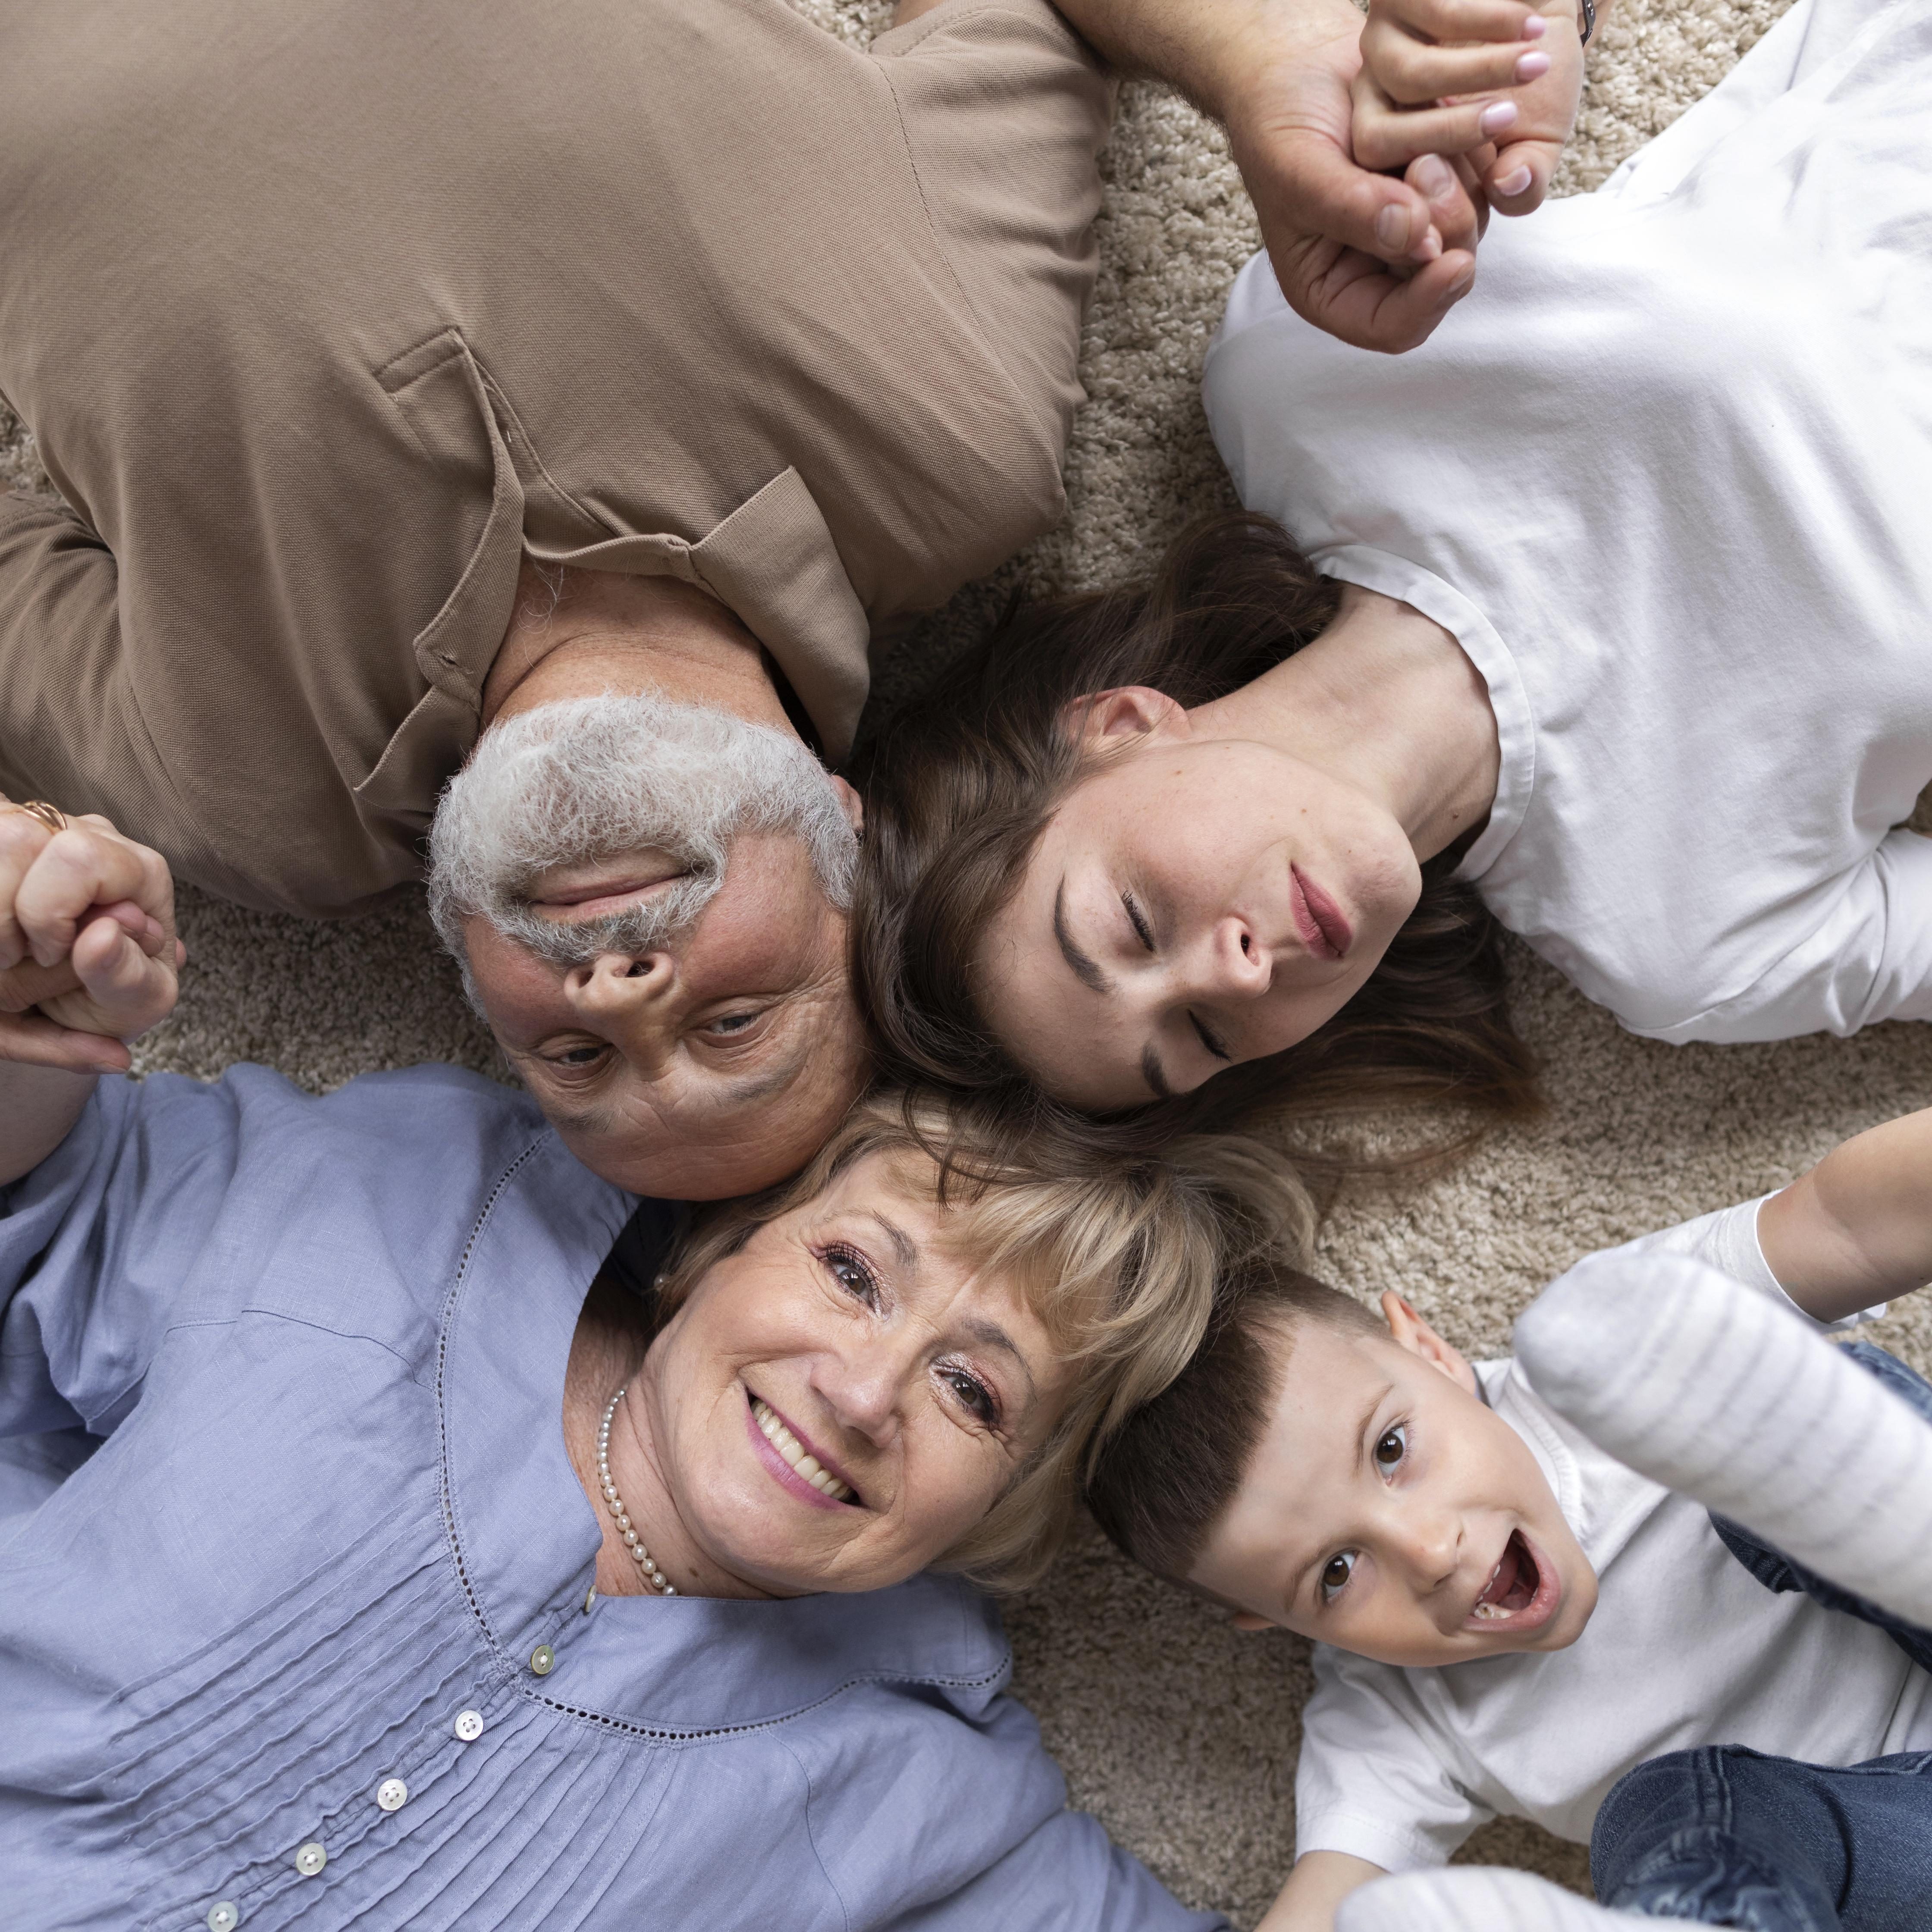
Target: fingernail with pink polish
1498	116
1513	184
1535	27
1532	67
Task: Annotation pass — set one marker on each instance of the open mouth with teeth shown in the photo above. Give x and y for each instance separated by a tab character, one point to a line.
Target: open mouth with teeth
1522	1592
817	1482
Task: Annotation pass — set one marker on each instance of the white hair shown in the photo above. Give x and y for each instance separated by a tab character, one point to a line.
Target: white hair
587	778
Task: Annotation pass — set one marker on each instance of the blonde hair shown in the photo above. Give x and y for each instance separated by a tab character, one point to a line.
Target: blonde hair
1119	1258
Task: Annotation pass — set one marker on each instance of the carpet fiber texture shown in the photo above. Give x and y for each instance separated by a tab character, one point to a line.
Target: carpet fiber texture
1180	1734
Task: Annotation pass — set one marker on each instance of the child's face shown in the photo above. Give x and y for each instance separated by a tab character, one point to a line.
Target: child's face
1390	1511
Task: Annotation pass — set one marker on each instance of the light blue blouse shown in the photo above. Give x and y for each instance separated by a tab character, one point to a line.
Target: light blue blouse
293	1566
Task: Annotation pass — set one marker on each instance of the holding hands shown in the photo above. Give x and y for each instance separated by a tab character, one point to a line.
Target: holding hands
88	958
1494	82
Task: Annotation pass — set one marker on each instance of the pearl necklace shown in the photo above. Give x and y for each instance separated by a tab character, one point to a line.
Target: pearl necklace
614	1503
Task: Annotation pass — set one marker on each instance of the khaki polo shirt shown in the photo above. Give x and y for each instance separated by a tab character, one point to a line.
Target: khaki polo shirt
324	315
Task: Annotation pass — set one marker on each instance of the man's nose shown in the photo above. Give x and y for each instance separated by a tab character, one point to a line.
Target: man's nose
630	996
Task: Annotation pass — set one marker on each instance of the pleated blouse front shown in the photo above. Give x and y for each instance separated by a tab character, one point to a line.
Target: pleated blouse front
295	1626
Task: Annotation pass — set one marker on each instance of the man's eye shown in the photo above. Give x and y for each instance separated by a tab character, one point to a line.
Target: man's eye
1335	1574
726	1024
579	1056
1391	1448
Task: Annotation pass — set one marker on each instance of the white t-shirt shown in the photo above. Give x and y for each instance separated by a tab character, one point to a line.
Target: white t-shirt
1686	1648
1667	474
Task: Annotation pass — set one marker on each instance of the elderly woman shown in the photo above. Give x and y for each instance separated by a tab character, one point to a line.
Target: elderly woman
355	1568
1601	615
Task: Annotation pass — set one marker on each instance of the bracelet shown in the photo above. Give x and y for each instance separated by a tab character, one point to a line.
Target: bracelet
1589	10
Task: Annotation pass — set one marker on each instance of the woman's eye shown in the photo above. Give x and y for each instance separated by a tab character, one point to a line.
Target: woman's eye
726	1024
1138	920
977	1398
852	1273
1335	1574
579	1056
1390	1448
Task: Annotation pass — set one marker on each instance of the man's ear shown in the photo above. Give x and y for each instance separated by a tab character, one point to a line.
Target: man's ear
1408	1330
1101	718
850	802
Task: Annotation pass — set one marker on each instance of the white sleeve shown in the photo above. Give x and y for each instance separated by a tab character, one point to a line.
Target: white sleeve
1727	1241
1869	959
1374	1779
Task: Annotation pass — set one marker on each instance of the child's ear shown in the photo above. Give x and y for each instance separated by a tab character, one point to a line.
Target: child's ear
1408	1330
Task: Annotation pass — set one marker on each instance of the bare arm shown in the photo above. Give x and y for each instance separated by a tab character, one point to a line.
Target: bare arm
1318	1883
88	961
1857	1228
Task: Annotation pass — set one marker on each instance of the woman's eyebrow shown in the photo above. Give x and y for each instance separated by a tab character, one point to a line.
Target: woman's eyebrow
905	1249
1086	970
1153	1073
991	1335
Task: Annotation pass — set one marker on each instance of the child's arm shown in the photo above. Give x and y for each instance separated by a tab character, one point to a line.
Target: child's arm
1318	1883
1494	82
1857	1228
88	961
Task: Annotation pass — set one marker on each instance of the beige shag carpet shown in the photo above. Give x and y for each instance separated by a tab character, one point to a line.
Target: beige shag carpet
1180	1734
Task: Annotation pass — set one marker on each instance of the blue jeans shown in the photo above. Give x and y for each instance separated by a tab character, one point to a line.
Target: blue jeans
1724	1836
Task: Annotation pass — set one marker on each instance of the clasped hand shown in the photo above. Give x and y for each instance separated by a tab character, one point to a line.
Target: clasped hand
89	957
1373	158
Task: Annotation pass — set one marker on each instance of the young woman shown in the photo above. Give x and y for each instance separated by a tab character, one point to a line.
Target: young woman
1615	622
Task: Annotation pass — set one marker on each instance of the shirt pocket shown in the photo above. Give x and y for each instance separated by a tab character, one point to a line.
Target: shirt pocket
443	397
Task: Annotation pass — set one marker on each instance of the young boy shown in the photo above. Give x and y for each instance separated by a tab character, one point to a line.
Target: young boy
1517	1601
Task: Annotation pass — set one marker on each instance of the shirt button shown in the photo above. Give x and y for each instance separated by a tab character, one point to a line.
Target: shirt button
469	1726
310	1859
542	1659
590	1597
392	1794
224	1917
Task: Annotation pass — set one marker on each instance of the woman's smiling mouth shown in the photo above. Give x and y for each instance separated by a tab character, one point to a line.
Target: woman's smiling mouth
791	1462
1522	1593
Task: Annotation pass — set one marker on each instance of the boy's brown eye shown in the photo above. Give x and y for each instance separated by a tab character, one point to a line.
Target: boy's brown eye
1390	1449
1335	1572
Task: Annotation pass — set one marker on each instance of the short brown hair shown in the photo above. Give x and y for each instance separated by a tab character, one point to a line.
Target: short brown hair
960	784
1120	1260
1167	1476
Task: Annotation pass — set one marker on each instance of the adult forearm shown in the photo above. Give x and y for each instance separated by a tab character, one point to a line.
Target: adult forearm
1208	48
1857	1228
38	1107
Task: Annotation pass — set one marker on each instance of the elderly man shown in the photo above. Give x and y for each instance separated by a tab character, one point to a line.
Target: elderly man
569	399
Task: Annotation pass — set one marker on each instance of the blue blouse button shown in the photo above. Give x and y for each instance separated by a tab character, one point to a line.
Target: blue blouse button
224	1917
311	1859
541	1660
392	1794
469	1726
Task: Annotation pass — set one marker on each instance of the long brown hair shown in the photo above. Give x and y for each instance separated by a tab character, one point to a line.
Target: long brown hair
960	783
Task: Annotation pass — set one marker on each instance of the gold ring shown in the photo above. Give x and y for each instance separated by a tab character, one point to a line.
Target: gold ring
51	816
